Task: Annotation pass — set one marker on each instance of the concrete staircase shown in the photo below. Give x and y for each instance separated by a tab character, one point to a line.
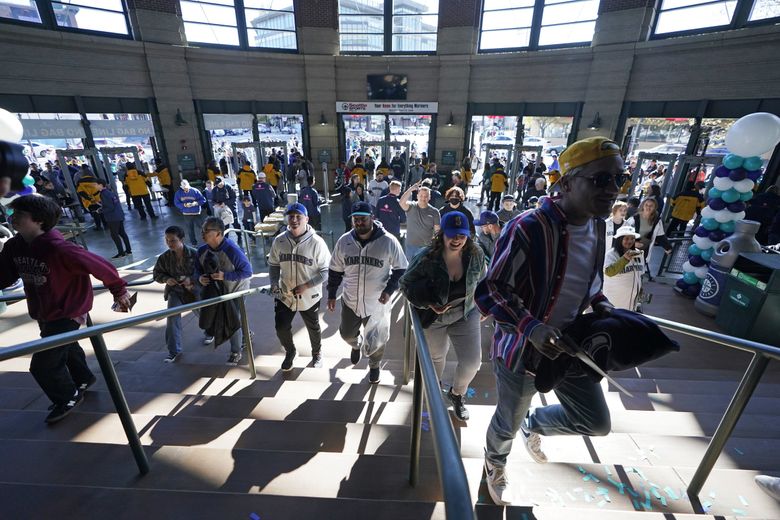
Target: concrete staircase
323	443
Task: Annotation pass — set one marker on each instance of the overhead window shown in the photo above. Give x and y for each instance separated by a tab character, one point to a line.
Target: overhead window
92	15
210	21
685	15
388	26
20	10
270	24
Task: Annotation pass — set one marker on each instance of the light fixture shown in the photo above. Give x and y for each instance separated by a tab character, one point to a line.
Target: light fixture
323	121
596	123
180	121
451	120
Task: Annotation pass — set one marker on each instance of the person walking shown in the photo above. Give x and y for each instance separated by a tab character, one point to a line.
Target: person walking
389	212
489	230
684	206
246	179
623	267
164	176
88	191
190	202
547	270
176	269
264	196
224	193
498	185
297	266
647	222
368	262
310	199
441	281
376	187
615	220
114	216
508	209
422	219
138	185
455	197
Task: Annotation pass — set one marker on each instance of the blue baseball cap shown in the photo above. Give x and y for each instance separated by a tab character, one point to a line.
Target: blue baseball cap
487	217
297	208
455	223
361	209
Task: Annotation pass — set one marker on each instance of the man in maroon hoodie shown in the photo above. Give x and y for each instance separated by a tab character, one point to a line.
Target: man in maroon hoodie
56	280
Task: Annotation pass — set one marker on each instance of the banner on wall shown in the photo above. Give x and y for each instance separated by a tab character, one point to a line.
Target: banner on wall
121	128
387	107
226	121
52	129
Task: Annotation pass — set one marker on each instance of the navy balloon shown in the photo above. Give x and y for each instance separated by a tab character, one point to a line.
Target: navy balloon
722	171
716	236
702	231
692	290
681	284
738	174
754	175
717	204
736	207
696	260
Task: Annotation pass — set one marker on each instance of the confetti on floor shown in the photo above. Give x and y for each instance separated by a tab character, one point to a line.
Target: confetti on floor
743	500
712	495
470	393
254	516
739	452
739	512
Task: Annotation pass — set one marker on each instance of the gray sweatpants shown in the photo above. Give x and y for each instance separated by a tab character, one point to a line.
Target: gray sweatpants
464	334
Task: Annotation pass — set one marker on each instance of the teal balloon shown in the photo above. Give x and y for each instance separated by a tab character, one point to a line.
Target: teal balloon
690	277
728	227
744	197
28	180
752	163
706	255
714	193
730	196
694	249
732	161
710	224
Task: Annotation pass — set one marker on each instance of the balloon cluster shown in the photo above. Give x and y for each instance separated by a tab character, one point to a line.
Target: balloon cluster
732	187
11	130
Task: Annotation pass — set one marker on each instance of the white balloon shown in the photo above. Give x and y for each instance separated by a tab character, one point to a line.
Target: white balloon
701	272
739	216
724	215
707	212
744	186
688	268
754	134
723	183
703	242
10	127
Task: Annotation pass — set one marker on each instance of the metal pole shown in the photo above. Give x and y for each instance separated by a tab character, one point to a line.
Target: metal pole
738	403
114	388
247	337
417	399
407	344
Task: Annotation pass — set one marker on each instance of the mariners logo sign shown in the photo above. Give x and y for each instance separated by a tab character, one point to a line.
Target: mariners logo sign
709	287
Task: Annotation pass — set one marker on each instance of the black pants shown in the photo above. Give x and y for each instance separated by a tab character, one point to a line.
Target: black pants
264	214
128	197
169	195
494	204
97	216
60	370
117	230
347	224
249	225
676	225
147	201
315	221
283	317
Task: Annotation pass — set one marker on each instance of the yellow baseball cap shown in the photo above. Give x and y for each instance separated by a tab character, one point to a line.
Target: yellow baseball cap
586	150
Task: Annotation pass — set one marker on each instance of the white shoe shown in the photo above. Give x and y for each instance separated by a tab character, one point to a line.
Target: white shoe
208	340
533	444
770	485
497	484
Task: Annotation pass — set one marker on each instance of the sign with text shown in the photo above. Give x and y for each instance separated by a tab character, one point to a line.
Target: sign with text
387	107
52	129
226	121
121	128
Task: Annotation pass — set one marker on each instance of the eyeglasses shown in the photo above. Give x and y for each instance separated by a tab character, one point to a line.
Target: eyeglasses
603	179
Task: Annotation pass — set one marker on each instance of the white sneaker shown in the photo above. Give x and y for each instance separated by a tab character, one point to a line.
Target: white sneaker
208	340
497	484
770	485
533	444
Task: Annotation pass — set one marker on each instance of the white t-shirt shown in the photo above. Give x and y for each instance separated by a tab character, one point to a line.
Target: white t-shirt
576	280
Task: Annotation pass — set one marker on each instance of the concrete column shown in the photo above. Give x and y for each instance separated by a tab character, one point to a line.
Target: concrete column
157	21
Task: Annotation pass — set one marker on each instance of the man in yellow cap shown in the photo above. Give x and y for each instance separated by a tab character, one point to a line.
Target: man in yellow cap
547	269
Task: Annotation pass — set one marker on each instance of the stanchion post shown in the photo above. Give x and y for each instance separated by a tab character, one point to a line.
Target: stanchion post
417	399
247	337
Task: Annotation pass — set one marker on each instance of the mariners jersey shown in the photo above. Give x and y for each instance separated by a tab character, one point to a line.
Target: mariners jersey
299	261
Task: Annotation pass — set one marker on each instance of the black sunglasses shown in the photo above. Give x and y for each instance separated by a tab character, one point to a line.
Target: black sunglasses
602	179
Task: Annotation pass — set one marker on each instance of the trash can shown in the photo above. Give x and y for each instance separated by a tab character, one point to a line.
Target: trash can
750	307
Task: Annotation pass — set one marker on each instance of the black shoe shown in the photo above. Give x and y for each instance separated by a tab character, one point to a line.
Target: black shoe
118	255
316	360
355	356
288	359
84	386
457	406
59	411
171	358
128	253
373	375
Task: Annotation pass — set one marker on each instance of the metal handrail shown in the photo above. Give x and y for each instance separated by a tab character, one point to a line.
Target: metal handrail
19	295
95	334
452	474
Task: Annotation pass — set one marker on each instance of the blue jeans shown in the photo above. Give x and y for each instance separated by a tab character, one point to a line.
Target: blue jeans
192	222
236	340
173	325
412	250
583	411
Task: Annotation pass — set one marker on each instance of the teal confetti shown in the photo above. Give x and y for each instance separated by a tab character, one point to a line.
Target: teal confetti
588	498
648	501
470	393
602	491
706	506
636	505
656	493
525	516
582	470
663	501
669	491
486	395
571	497
602	503
739	452
744	502
632	492
712	495
607	470
739	512
587	477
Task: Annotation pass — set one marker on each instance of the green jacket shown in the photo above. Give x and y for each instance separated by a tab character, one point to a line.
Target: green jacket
427	282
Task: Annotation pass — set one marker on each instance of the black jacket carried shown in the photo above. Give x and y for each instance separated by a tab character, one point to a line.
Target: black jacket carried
221	320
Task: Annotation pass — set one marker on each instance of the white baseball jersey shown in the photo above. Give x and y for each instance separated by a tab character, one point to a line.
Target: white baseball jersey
299	262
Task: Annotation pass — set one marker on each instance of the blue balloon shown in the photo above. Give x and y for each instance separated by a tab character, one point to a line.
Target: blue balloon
728	227
701	231
752	163
696	261
714	193
717	235
732	161
736	207
722	171
690	277
744	197
738	174
710	224
706	255
681	284
717	204
692	291
694	249
730	196
754	175
28	180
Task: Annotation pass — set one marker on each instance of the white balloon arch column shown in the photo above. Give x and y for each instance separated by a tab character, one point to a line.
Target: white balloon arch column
11	131
747	139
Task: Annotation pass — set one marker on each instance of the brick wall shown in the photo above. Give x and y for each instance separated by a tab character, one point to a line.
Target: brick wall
317	13
459	13
608	6
161	6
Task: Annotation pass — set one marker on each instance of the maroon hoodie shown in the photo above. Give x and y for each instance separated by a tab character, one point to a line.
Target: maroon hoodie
56	273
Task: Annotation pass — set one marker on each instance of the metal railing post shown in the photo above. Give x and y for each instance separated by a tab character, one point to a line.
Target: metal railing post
115	389
407	343
247	337
737	405
417	400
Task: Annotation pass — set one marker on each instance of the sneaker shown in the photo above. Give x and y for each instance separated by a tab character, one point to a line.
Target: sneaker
497	484
288	359
61	410
208	340
770	485
457	405
170	358
251	337
128	253
373	375
234	358
316	360
533	444
83	386
118	255
354	356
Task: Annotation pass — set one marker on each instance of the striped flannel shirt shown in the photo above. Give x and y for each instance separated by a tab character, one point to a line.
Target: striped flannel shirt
525	277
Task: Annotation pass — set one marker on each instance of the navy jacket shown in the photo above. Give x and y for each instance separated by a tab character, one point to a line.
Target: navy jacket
112	207
265	196
389	212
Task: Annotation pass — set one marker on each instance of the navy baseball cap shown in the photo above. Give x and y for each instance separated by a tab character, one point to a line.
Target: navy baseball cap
486	217
455	223
297	208
361	209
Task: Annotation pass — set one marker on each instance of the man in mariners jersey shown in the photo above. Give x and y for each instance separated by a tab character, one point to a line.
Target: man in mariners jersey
370	262
297	265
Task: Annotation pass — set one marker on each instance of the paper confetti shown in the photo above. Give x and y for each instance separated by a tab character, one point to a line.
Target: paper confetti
663	501
588	498
254	516
571	497
607	470
602	503
706	506
602	491
656	494
712	495
744	502
739	452
486	395
739	512
582	470
470	393
669	491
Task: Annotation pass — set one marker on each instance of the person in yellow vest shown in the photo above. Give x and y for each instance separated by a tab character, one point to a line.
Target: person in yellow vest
384	169
136	183
89	193
465	170
684	206
164	176
553	176
359	170
246	180
498	185
212	170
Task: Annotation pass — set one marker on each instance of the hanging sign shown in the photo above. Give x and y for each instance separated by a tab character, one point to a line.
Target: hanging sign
52	129
387	107
121	128
226	121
